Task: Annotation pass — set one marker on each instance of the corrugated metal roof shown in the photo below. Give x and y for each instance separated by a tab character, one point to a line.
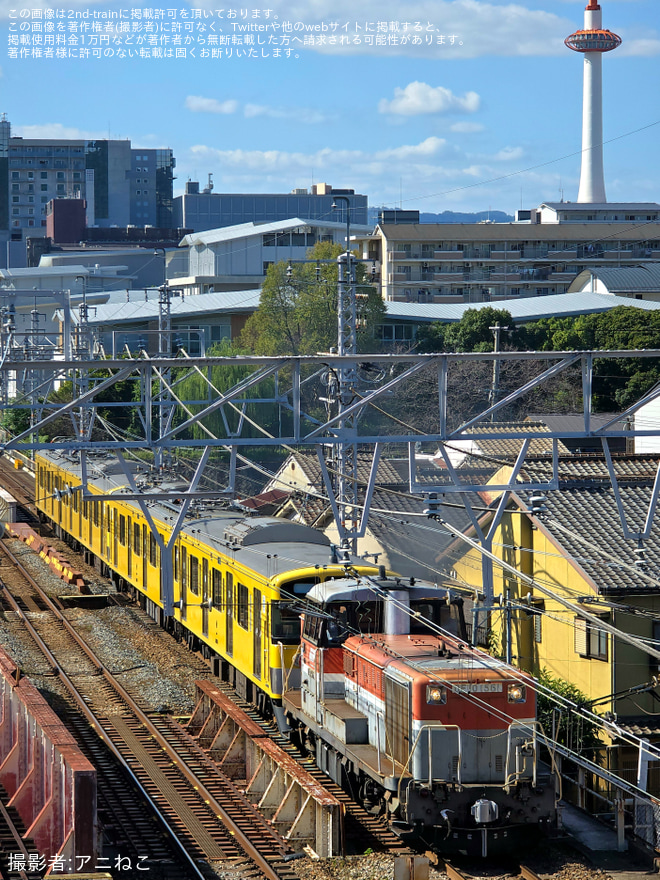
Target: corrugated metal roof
629	278
245	230
199	304
529	308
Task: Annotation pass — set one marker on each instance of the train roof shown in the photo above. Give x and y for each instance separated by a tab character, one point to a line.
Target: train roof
428	655
268	545
347	590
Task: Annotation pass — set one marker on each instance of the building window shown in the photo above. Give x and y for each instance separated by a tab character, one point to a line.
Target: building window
15	187
15	175
44	187
590	640
44	175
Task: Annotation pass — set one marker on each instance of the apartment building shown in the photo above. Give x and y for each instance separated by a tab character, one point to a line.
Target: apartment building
121	186
538	255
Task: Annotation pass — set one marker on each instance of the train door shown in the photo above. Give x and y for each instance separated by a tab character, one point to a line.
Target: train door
205	597
129	547
397	719
229	613
256	633
145	556
115	532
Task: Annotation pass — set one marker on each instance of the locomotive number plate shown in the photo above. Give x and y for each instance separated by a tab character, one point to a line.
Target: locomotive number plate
488	687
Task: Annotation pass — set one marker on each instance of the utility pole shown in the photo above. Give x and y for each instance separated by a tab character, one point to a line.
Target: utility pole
495	388
346	479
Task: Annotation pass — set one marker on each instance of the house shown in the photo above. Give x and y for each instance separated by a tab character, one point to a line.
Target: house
572	544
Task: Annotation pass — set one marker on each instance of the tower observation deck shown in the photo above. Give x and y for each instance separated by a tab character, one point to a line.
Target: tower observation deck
592	41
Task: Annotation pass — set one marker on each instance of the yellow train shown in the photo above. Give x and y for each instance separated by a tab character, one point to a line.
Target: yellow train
234	575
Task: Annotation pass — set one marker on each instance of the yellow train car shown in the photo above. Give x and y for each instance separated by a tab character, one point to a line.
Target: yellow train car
235	577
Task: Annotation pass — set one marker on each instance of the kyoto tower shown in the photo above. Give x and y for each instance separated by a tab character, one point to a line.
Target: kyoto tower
592	41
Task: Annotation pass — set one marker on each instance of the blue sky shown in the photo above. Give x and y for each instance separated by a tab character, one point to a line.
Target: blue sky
493	120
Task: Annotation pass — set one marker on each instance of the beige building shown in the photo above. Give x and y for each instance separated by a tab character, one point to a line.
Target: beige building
539	255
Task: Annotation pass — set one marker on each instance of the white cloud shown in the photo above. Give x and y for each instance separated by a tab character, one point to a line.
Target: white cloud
644	46
466	127
198	104
508	154
299	114
56	131
419	98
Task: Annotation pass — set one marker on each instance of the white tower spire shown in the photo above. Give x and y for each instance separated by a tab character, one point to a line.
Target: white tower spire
592	42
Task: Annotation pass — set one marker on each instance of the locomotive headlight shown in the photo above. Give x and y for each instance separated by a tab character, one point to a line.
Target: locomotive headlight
517	693
435	694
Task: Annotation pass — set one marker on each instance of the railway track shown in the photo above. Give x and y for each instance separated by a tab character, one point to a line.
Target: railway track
362	829
454	873
186	799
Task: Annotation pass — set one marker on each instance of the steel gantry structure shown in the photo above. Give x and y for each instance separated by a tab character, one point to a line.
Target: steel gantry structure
154	388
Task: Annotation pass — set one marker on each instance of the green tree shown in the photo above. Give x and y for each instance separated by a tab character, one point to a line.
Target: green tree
472	332
297	311
568	726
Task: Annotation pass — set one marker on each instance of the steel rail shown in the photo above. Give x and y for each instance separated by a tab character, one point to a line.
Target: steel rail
244	842
82	705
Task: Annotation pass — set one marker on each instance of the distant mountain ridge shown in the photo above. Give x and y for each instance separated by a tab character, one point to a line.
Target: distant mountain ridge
452	216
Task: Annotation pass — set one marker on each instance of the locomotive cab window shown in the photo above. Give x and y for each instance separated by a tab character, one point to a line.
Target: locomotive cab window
284	623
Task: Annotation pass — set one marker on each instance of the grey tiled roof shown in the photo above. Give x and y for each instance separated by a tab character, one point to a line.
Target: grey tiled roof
584	509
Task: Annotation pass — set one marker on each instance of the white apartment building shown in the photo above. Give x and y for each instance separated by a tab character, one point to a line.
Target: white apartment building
538	255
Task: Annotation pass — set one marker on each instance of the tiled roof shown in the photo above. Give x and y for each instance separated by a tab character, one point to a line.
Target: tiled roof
584	509
508	447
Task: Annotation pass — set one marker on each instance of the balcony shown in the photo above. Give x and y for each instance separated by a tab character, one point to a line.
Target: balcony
505	276
505	255
448	255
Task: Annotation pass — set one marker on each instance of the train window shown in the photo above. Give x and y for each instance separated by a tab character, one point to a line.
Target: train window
194	575
285	623
242	610
152	550
299	587
122	529
136	538
229	584
85	509
216	579
75	501
41	477
96	504
184	569
176	562
426	614
312	627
